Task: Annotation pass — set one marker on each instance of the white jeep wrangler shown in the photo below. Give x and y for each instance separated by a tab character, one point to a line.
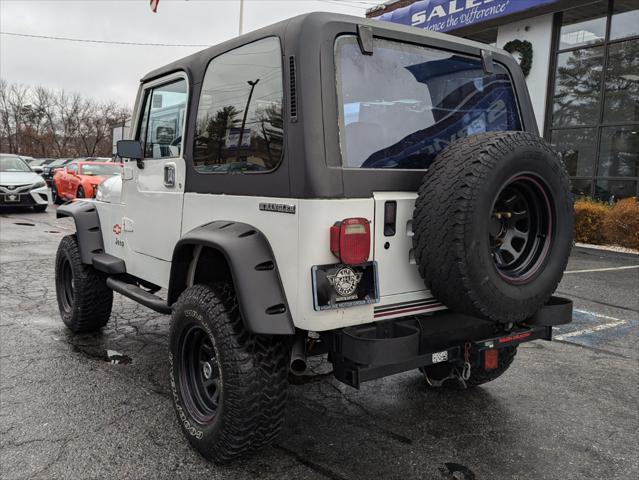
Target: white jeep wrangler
326	185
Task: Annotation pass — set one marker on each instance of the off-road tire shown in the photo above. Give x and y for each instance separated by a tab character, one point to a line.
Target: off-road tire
86	306
453	215
40	208
478	376
80	193
253	375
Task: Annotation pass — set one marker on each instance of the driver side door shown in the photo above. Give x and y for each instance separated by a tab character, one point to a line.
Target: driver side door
153	188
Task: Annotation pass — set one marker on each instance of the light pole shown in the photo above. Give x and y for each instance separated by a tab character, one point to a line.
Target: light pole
252	83
241	16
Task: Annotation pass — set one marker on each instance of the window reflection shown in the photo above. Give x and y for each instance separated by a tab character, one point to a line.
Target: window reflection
622	83
581	187
577	149
611	190
625	19
239	126
619	152
583	26
577	87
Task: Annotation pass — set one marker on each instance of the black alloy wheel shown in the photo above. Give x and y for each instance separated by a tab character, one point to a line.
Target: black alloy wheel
201	379
520	228
65	286
80	193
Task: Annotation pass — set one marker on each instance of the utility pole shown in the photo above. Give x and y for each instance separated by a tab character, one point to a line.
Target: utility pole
248	103
241	16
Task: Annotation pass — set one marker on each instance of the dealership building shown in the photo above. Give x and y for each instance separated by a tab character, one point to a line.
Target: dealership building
581	60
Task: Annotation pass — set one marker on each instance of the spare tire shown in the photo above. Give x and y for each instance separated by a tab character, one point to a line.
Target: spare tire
493	225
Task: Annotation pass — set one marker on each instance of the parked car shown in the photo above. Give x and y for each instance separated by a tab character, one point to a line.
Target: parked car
386	200
49	169
20	186
81	179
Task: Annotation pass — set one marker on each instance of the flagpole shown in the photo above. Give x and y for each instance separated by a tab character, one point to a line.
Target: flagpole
241	16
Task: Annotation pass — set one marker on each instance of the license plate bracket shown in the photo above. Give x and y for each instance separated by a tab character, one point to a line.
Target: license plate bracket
11	197
337	285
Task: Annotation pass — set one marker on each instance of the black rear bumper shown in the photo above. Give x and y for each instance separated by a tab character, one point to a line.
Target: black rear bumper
371	351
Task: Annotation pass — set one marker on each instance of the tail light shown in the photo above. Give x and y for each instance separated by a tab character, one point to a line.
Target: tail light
491	359
351	240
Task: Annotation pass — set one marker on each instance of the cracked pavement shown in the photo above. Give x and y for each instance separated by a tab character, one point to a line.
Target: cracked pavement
98	406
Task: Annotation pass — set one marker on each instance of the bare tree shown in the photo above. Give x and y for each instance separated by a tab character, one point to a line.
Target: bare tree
43	122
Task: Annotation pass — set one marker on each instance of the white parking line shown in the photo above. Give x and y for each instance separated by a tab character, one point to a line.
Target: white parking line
616	322
627	267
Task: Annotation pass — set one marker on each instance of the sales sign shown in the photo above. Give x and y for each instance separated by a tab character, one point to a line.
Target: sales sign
445	15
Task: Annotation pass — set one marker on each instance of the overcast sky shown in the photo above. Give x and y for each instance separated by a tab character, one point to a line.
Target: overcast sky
113	71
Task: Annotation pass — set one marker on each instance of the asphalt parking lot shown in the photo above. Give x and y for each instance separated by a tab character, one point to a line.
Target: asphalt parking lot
98	406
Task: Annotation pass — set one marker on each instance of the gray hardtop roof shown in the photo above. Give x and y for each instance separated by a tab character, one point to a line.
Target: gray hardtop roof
313	20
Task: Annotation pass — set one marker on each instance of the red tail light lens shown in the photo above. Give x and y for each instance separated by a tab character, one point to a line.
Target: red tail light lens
351	240
491	359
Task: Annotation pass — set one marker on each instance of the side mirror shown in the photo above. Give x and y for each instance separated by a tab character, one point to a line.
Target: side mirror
132	149
38	170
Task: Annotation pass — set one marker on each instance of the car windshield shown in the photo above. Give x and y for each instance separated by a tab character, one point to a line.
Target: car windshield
57	163
399	107
99	170
13	164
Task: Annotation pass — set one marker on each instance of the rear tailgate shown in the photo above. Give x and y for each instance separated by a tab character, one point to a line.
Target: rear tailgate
401	288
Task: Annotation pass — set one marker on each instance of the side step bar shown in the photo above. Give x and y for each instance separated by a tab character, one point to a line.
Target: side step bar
139	295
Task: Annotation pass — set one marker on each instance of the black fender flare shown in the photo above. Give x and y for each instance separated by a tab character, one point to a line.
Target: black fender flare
253	268
87	226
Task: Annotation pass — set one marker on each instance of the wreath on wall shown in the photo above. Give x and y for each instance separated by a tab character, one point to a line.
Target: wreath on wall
525	50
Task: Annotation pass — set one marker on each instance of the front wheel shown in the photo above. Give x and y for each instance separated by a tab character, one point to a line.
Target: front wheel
80	193
84	299
228	385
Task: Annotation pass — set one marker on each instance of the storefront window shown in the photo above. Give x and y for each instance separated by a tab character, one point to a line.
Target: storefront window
610	190
619	152
625	19
581	187
594	111
583	26
578	87
622	83
577	149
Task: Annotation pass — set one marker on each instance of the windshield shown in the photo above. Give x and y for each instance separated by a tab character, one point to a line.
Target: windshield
100	170
399	107
57	163
13	164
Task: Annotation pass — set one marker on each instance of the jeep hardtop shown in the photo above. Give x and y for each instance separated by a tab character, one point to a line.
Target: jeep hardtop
328	185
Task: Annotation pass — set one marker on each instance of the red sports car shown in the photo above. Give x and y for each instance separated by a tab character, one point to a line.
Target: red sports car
81	179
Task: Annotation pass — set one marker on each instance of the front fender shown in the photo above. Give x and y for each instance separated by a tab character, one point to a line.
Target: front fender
87	226
257	282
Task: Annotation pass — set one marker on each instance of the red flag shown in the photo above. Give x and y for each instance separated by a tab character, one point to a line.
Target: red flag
154	5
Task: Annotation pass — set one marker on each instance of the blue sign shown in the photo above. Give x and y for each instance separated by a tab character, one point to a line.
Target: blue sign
445	15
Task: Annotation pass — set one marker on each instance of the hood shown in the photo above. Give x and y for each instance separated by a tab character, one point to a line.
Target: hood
19	178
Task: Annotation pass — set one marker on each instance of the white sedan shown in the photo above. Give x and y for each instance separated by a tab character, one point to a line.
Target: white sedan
20	186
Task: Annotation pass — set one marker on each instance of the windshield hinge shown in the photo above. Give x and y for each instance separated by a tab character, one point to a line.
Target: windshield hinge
365	39
487	61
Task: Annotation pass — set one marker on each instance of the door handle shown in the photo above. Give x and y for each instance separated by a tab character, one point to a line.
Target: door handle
169	175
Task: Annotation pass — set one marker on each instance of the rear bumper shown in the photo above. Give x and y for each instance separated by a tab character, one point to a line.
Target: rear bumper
371	351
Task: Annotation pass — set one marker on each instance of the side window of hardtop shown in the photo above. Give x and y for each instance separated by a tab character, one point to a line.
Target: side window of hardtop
73	168
239	124
162	124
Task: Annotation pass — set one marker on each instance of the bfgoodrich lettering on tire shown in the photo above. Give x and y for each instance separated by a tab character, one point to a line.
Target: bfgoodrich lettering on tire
493	225
228	385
